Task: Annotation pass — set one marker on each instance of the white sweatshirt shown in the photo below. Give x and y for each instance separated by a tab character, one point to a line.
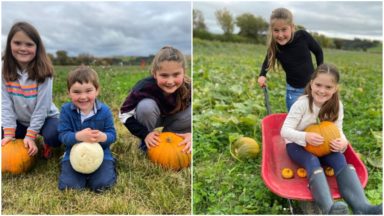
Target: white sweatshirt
300	117
27	102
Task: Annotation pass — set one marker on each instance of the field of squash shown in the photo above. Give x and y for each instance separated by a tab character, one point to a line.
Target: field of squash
228	103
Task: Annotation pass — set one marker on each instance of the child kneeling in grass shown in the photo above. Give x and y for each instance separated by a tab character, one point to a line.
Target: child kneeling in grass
86	119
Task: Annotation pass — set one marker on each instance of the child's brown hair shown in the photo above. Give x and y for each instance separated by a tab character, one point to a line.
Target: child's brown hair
330	109
83	74
39	68
169	53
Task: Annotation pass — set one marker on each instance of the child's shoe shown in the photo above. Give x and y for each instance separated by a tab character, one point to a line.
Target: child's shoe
47	151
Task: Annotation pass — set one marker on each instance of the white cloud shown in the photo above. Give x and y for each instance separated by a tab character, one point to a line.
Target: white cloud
104	28
345	19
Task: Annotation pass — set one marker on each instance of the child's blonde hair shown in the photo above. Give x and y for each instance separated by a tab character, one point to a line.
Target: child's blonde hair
39	68
83	74
183	94
330	109
277	14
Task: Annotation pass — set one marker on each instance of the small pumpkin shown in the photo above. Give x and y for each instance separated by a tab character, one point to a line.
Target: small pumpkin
245	148
287	173
168	153
15	158
329	131
329	171
301	172
86	157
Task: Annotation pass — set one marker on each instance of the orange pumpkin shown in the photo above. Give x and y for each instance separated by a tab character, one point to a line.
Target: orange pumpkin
329	131
287	173
301	172
15	158
329	171
168	154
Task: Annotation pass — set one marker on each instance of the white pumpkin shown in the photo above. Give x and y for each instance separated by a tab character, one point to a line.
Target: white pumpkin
86	157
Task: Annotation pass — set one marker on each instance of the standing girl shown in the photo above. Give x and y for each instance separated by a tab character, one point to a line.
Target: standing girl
162	99
321	100
293	51
27	107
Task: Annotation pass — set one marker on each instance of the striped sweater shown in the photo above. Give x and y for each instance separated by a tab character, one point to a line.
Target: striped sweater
27	102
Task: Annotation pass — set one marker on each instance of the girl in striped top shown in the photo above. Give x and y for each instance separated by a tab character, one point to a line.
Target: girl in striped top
27	107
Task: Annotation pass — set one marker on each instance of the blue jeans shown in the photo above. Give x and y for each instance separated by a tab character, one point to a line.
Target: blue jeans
291	95
48	131
310	162
103	178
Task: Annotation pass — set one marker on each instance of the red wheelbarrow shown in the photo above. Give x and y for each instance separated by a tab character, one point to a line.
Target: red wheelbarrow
275	158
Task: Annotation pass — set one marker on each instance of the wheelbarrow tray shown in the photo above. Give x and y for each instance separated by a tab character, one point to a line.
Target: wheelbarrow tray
275	158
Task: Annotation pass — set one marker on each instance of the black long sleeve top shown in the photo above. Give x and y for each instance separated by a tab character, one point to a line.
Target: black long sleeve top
146	88
296	60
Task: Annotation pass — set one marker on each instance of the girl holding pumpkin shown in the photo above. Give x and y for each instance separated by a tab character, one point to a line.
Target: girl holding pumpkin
162	99
27	107
321	100
292	49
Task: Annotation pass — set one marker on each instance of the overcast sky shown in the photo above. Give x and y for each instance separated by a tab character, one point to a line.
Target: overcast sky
335	19
104	28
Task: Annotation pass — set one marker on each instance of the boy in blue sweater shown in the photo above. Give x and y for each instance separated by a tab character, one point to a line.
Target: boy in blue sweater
86	119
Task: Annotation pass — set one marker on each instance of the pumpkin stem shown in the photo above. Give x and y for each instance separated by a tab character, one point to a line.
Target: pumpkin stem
318	120
168	140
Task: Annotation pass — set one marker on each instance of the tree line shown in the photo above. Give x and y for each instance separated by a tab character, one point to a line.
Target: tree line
253	29
61	58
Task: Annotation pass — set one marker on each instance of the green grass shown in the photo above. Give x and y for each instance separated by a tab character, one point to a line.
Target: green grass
228	102
141	188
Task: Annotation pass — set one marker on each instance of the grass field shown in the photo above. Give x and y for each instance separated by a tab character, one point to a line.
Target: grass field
228	102
141	188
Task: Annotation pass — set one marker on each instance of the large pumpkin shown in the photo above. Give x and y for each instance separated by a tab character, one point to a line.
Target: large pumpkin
329	131
168	154
86	157
244	148
15	158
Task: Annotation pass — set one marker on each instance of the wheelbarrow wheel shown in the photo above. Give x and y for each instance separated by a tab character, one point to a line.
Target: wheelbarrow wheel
309	208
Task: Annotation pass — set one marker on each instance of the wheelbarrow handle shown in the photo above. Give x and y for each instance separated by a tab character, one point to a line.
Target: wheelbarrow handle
266	100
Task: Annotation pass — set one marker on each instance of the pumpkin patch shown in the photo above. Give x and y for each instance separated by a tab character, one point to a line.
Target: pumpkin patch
15	158
168	153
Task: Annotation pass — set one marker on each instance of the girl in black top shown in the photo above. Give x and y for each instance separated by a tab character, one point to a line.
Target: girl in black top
160	100
293	52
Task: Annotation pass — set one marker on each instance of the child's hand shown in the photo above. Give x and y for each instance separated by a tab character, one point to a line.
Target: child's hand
102	137
338	145
5	140
187	142
88	135
31	145
152	139
262	81
314	139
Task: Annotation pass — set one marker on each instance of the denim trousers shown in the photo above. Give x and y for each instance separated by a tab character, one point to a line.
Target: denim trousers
310	162
48	131
291	95
103	178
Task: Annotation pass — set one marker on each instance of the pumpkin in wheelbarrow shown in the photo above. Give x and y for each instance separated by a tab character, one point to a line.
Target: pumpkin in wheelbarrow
329	131
15	158
168	153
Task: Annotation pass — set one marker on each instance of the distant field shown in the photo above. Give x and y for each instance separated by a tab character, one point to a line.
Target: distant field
228	102
142	187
